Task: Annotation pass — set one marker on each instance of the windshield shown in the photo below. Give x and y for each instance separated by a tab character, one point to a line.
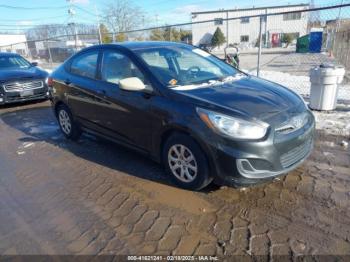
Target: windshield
13	62
174	65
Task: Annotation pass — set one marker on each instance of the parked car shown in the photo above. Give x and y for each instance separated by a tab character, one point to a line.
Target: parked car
200	117
21	80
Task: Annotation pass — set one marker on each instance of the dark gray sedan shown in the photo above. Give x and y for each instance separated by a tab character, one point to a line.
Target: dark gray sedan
198	116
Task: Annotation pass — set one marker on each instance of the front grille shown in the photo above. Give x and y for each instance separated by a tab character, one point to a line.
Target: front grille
296	154
20	86
293	124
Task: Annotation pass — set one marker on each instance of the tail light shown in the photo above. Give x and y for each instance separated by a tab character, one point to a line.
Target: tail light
50	82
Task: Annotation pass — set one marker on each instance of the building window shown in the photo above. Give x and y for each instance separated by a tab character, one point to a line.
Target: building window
244	20
244	38
218	21
292	16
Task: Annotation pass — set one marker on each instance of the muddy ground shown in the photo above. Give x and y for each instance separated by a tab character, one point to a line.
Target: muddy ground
93	197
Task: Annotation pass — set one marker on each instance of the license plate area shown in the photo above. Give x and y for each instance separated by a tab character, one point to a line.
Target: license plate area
26	93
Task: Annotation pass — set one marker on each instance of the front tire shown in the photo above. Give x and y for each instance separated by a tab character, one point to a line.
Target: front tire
67	124
185	162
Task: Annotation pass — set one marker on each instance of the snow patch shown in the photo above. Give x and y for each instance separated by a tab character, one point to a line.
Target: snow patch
299	84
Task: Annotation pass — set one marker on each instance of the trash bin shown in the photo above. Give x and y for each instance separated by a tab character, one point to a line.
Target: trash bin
324	86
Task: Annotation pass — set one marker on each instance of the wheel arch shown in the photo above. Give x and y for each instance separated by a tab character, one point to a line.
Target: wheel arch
57	105
185	131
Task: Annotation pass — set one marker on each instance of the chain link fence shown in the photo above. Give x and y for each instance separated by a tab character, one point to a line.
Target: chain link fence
280	44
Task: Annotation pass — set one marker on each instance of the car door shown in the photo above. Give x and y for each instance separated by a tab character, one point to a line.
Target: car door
86	96
129	114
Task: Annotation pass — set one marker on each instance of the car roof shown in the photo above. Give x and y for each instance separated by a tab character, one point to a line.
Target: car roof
146	44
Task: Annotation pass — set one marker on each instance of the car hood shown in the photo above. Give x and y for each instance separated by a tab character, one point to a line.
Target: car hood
250	97
22	73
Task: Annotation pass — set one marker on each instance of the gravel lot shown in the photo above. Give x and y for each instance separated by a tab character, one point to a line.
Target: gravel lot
93	197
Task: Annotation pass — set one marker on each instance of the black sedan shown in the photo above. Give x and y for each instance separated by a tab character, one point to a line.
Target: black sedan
200	117
21	80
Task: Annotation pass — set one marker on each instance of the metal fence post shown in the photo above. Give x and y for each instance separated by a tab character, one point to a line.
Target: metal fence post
259	52
169	33
29	52
50	57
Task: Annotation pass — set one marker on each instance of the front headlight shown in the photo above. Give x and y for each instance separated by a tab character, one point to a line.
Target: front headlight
231	126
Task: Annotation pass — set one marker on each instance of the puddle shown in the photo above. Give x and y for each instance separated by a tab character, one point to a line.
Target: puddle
43	129
174	197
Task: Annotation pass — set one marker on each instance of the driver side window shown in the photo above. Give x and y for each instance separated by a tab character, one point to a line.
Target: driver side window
116	66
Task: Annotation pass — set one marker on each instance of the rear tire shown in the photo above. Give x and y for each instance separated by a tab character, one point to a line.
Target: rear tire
68	126
185	162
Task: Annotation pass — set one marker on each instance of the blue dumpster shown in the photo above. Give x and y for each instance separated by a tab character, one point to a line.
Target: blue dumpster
315	43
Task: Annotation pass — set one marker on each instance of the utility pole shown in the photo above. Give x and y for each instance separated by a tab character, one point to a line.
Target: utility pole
227	29
99	26
259	53
143	26
71	13
265	40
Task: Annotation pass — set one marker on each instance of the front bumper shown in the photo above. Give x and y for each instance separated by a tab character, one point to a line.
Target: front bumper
17	96
244	163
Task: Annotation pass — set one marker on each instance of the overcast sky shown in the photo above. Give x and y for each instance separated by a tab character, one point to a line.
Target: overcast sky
158	11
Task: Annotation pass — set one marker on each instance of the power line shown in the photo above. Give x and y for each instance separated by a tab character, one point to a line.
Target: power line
32	8
13	25
32	19
85	11
199	22
10	29
33	27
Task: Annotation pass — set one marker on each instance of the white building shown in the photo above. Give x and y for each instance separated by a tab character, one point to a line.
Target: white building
13	43
244	30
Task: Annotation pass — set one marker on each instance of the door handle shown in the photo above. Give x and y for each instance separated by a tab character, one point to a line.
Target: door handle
146	95
101	92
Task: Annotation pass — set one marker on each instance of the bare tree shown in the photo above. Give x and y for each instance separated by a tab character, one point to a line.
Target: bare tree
123	15
53	30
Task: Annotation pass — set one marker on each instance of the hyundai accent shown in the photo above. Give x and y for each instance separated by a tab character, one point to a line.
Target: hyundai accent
201	118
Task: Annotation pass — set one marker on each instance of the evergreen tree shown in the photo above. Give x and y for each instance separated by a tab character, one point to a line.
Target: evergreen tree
218	38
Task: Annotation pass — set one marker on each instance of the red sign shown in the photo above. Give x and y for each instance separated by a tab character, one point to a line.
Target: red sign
275	39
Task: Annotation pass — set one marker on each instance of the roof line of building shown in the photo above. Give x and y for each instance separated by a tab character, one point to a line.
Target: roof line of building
246	9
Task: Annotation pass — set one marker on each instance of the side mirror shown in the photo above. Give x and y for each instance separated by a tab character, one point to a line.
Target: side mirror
132	84
34	63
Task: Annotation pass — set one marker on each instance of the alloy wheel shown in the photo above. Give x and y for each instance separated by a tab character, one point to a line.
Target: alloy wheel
182	163
65	122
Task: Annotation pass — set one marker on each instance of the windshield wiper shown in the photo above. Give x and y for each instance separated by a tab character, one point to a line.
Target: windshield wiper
232	78
211	82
